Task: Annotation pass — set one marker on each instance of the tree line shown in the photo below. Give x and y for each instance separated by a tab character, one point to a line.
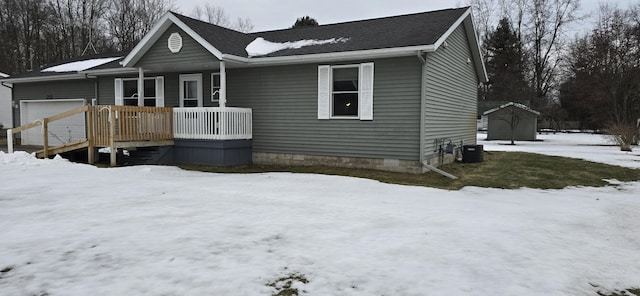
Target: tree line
591	78
34	33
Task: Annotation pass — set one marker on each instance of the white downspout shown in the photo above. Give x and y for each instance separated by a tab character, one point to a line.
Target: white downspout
423	103
140	87
223	85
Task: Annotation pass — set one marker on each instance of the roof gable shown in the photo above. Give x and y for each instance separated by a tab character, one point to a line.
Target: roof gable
512	105
225	40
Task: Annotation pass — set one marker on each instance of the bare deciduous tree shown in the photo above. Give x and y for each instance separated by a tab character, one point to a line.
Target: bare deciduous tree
217	15
130	20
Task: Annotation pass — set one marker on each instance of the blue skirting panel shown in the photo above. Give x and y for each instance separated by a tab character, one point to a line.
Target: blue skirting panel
214	153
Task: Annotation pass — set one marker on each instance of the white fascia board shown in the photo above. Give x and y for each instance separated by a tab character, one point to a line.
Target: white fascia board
45	78
470	26
154	34
110	71
147	41
334	56
467	19
214	51
453	27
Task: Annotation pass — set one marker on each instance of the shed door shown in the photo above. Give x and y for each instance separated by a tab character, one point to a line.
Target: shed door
63	131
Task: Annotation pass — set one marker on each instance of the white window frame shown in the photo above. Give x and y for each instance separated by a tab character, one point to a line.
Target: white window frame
216	89
190	77
333	92
365	91
159	90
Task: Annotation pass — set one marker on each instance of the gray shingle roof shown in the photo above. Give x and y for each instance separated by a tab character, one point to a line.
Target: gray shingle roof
417	29
225	40
388	32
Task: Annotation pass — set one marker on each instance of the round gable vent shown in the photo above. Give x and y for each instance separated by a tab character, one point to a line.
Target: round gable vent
175	42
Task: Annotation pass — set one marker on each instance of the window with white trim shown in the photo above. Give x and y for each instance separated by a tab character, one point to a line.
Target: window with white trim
345	91
127	94
215	87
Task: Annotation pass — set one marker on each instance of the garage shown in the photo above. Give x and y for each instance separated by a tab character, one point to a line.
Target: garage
70	129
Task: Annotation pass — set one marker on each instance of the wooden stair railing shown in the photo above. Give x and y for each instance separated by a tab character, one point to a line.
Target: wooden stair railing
108	126
45	128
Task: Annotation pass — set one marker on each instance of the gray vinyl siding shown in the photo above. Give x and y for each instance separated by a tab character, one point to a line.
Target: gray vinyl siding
159	55
69	89
284	100
451	94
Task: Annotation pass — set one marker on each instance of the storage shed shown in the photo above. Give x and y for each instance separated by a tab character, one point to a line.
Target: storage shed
512	116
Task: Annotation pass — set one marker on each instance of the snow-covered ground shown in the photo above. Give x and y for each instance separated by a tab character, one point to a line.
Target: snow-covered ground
73	229
591	147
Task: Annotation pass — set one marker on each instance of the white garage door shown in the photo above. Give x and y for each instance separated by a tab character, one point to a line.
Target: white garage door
63	131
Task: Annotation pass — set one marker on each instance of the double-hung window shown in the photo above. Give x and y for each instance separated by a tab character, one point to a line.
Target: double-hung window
127	94
345	91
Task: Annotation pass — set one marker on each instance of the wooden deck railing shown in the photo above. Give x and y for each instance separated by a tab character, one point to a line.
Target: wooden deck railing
133	126
129	124
213	123
45	129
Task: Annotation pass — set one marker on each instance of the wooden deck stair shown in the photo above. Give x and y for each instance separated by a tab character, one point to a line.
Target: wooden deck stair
63	148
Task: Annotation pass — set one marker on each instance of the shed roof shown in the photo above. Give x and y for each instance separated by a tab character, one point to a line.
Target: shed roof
512	104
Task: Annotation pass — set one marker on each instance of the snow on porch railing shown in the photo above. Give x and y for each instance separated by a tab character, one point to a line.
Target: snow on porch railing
212	123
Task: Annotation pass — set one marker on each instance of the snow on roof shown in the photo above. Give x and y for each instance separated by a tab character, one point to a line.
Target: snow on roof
80	65
260	46
2	75
517	105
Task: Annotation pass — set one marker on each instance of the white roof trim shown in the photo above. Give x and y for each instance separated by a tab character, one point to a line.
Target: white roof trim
110	71
333	56
154	34
45	78
517	105
453	27
472	37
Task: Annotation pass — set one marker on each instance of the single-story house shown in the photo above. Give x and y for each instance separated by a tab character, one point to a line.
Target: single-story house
6	119
385	93
510	118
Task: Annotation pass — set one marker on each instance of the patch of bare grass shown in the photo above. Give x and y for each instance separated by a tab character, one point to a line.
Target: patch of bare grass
507	170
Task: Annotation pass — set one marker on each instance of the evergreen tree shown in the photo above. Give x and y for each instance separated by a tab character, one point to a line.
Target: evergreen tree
305	21
506	68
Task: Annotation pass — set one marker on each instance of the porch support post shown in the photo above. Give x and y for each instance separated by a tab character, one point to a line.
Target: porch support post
223	85
140	87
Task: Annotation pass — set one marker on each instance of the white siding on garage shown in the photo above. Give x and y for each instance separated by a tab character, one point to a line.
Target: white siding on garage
63	131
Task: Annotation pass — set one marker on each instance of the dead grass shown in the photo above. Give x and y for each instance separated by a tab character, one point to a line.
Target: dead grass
284	286
628	292
507	170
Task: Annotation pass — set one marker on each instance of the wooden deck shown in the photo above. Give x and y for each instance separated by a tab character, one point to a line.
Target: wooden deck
107	126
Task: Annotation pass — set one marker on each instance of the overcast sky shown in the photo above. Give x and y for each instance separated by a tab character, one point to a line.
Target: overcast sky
281	14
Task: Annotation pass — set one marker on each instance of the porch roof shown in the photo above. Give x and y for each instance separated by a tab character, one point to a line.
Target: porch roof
113	62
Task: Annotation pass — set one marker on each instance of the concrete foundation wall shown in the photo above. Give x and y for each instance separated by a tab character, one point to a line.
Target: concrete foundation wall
391	165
